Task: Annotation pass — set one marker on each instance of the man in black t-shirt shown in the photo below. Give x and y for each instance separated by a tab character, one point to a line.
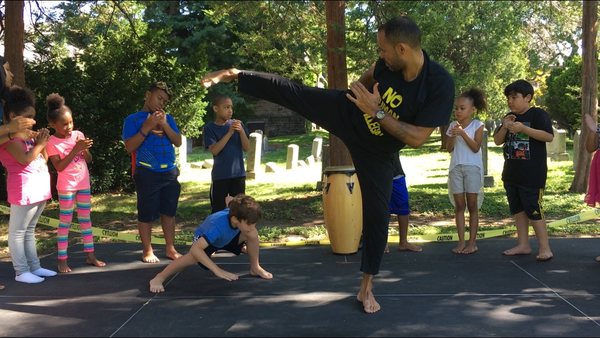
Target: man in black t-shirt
408	97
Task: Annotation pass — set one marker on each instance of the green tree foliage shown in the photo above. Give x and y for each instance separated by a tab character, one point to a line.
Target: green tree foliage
101	55
486	44
117	57
563	98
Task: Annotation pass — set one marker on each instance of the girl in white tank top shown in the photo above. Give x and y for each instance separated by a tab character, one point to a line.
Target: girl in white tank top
465	178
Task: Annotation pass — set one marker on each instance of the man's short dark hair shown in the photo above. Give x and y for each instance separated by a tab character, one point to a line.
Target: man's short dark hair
160	85
520	87
402	29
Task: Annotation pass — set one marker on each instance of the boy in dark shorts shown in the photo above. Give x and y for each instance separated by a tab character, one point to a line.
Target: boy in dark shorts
229	229
150	136
524	174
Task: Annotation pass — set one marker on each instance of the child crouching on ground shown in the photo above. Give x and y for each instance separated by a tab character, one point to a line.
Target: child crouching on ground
228	229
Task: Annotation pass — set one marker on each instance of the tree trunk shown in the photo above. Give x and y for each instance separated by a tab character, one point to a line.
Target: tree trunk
589	92
337	77
14	42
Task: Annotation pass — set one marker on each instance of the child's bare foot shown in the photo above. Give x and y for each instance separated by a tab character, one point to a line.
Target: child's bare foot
368	301
149	257
517	250
93	261
156	285
262	273
409	247
459	248
63	266
544	256
173	254
470	249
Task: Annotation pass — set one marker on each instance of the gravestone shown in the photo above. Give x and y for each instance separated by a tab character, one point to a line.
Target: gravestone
317	148
271	167
292	156
557	149
488	180
254	155
182	154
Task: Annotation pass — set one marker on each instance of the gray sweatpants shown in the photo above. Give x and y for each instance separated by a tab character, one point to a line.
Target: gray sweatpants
21	236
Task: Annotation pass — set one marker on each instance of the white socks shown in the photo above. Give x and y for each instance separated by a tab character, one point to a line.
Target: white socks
35	276
28	277
44	272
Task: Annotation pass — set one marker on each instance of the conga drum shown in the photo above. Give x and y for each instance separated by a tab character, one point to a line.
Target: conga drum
342	207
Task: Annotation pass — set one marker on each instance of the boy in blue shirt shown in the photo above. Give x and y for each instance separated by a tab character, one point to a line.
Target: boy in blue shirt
150	135
229	229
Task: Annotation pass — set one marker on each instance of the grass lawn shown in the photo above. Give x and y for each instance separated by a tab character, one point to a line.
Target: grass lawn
293	206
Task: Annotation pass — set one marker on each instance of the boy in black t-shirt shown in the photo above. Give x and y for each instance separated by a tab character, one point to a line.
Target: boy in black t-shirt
524	132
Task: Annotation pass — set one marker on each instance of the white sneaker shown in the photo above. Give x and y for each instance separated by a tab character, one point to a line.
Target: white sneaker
29	278
44	272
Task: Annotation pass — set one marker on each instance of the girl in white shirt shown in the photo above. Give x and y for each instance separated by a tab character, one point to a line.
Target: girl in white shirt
465	179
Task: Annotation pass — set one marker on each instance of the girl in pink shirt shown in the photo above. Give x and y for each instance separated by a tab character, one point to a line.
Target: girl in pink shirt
28	186
68	150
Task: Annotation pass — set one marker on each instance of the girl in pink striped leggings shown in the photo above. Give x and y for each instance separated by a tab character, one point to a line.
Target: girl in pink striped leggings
68	150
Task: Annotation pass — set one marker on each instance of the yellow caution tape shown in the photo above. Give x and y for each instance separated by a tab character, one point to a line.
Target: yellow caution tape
123	236
119	235
581	217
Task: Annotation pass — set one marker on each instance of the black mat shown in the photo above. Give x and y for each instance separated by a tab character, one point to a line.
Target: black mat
433	293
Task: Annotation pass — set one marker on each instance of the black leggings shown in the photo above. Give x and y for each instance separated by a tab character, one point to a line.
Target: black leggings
372	155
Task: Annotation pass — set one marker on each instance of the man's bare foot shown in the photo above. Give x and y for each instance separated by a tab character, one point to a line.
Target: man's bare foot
93	261
63	267
470	249
517	250
459	248
224	75
150	258
544	256
156	285
409	247
262	273
173	254
368	301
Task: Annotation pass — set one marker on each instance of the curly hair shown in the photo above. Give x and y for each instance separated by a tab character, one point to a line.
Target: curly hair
56	107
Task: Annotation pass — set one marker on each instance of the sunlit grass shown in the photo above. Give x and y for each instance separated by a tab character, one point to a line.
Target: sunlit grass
296	209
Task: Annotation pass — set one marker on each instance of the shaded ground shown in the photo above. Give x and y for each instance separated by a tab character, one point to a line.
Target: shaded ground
433	293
